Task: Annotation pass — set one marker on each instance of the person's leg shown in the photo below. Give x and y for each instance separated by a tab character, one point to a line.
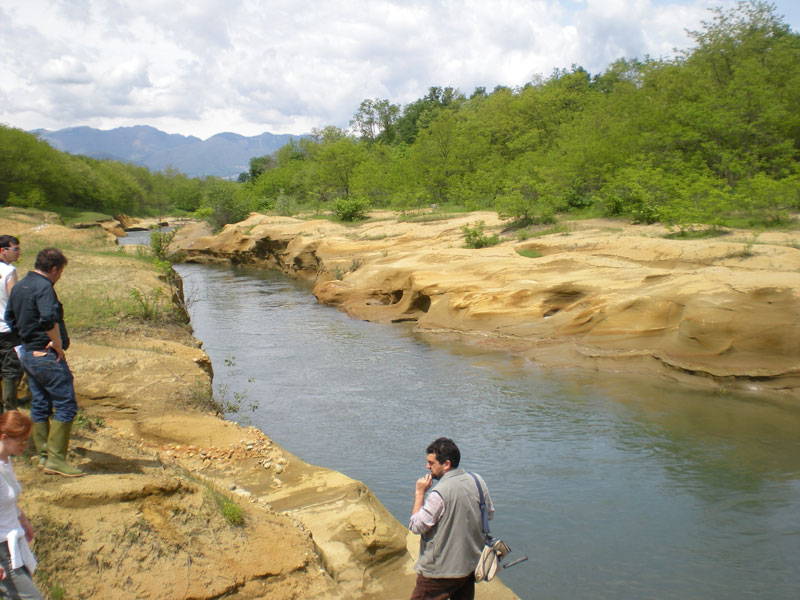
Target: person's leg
466	591
41	403
54	380
10	369
17	582
41	409
442	589
41	431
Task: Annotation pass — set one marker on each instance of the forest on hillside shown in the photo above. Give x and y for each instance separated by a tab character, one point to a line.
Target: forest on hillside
33	174
710	136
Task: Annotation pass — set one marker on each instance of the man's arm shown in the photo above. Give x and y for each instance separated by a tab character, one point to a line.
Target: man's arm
49	314
55	341
11	281
426	517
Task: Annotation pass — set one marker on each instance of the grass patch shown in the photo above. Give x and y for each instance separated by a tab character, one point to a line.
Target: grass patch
230	511
427	217
697	234
57	548
526	234
85	422
225	506
528	253
745	252
103	287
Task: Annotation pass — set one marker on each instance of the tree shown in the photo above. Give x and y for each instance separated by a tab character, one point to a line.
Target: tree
224	202
376	120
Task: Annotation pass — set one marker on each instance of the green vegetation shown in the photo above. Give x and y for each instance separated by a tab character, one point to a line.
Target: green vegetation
351	209
159	240
708	137
230	511
528	253
85	422
474	237
227	508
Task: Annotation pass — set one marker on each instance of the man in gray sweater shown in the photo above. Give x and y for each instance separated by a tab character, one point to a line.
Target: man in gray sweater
449	521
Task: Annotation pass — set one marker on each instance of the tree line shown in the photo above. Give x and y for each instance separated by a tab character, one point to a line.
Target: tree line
33	174
709	136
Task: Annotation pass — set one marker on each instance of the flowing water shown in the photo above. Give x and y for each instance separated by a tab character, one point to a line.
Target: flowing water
615	487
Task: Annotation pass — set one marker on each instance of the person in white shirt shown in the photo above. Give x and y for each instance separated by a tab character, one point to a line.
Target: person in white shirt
17	562
10	367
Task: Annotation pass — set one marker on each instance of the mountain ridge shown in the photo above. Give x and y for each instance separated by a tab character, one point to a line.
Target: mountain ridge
224	154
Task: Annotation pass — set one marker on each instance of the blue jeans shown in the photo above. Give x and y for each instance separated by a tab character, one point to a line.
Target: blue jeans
52	389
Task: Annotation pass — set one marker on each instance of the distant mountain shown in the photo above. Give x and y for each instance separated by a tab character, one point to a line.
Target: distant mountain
224	154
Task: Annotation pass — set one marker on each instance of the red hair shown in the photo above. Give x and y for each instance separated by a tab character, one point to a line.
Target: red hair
15	424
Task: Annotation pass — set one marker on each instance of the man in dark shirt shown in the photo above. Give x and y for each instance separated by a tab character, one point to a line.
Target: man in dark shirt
35	314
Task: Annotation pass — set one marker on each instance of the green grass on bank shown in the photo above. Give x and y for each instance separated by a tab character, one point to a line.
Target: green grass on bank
105	286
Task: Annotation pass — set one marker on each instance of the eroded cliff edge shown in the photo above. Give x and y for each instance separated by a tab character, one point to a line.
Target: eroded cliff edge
156	516
721	311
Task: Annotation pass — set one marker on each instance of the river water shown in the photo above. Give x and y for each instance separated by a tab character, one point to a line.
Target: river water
615	487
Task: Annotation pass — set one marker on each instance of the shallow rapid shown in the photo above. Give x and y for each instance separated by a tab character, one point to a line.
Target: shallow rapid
615	487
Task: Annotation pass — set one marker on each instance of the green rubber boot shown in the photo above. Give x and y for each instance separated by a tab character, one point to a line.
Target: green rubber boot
57	443
40	433
10	394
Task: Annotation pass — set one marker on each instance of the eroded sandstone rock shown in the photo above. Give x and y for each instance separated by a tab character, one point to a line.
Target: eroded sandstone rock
720	310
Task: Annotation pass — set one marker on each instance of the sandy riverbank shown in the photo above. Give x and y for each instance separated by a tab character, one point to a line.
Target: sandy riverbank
179	503
605	295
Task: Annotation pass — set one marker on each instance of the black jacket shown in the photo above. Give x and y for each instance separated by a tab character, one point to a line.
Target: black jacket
32	310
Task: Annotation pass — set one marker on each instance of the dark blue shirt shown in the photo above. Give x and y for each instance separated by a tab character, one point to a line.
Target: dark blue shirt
32	310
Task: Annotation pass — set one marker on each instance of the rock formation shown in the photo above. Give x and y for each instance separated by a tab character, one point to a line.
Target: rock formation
722	311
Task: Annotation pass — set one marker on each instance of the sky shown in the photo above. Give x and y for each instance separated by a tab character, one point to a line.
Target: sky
202	67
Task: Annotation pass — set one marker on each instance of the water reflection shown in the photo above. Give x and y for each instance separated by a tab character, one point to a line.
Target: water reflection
617	487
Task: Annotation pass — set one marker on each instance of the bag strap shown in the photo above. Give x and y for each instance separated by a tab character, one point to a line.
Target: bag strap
484	516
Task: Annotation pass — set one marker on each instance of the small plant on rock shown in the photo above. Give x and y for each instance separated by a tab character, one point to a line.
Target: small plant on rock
474	237
351	209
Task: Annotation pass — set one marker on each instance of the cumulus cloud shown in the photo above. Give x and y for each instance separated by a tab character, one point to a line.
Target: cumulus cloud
64	70
250	66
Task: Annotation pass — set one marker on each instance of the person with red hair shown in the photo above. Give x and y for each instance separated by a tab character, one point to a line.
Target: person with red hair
17	562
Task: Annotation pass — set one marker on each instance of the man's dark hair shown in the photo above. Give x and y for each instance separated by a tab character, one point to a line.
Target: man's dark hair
445	449
49	258
6	241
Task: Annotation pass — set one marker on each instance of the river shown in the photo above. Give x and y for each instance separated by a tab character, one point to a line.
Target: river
615	487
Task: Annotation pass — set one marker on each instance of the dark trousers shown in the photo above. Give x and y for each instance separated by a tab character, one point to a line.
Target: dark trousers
460	588
10	368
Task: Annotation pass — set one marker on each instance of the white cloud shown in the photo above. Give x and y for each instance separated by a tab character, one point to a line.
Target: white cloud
253	65
64	70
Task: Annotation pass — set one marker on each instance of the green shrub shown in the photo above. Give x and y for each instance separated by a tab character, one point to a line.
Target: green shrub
351	209
159	240
474	237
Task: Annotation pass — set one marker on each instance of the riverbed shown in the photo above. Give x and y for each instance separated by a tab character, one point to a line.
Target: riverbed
614	487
